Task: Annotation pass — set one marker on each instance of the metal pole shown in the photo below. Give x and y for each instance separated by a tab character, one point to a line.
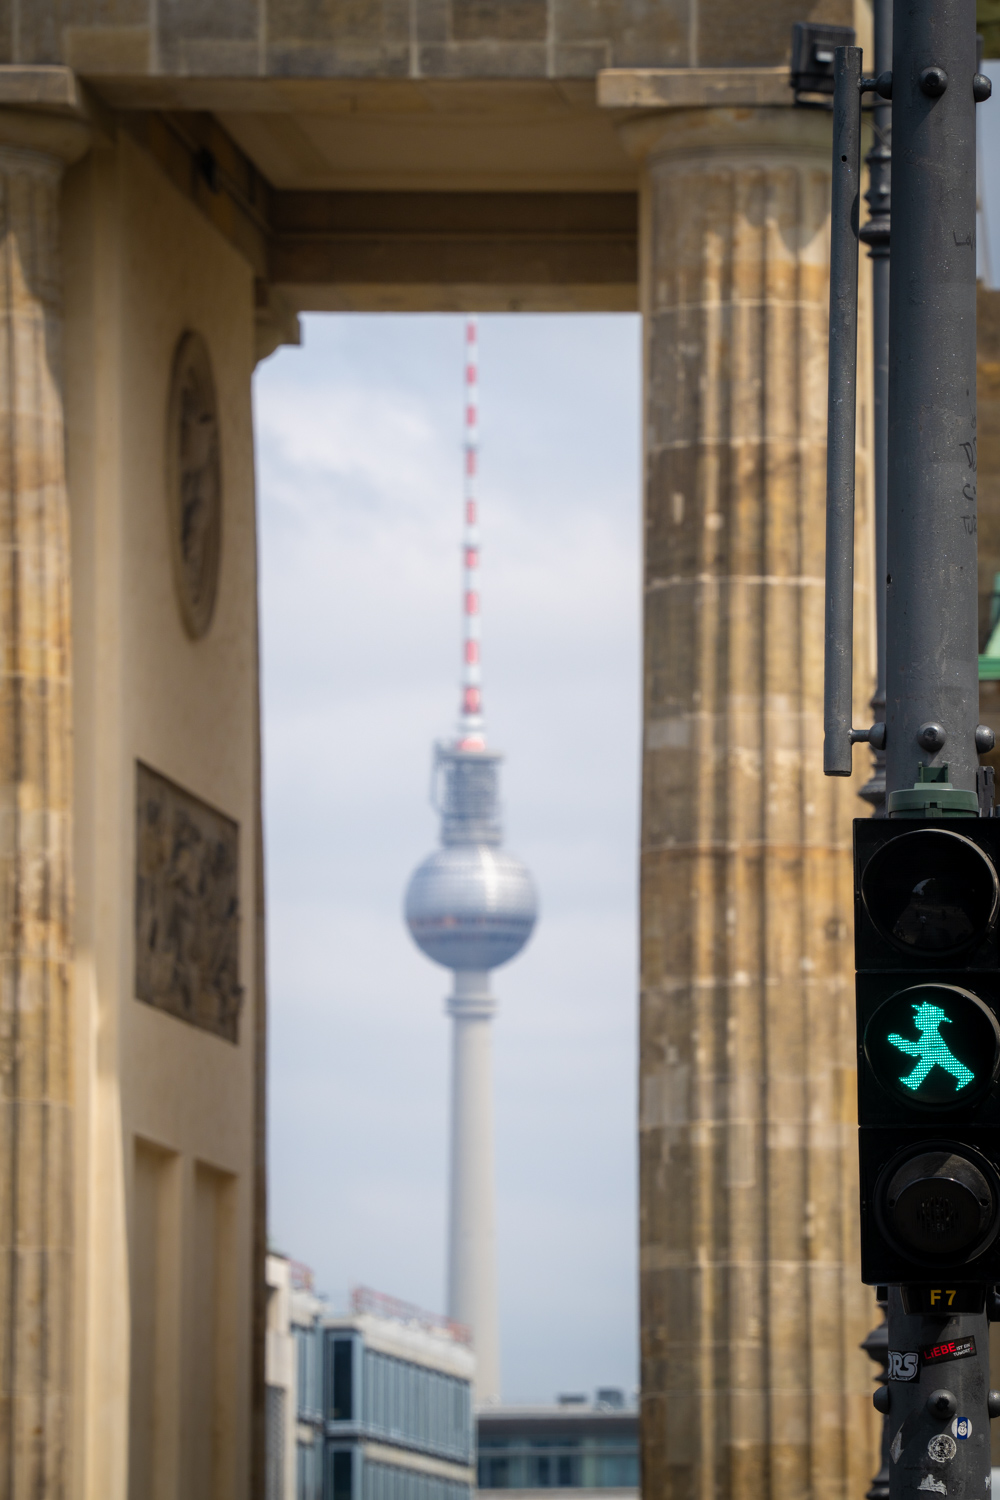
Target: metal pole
932	684
875	234
843	375
938	1408
938	1411
876	1346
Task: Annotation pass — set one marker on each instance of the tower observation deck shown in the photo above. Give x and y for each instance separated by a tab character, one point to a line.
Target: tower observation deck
471	906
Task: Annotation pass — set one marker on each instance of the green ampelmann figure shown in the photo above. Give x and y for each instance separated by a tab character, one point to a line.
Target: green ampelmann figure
931	1048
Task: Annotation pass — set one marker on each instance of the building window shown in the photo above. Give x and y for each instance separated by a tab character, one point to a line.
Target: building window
308	1473
558	1463
342	1473
343	1380
617	1470
307	1351
494	1474
394	1482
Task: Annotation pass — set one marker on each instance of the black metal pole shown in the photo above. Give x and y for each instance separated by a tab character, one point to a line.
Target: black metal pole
938	1410
876	1346
875	235
932	674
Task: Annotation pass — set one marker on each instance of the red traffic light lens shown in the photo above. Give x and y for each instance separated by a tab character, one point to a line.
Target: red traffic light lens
931	893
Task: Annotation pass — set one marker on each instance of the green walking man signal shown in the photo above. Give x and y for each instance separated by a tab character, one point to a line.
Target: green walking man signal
931	1048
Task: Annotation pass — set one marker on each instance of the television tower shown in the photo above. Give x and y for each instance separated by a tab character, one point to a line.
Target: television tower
471	907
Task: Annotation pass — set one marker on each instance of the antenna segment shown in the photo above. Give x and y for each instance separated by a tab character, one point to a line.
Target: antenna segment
470	728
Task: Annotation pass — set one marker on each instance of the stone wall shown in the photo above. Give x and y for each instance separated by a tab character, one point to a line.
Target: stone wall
394	38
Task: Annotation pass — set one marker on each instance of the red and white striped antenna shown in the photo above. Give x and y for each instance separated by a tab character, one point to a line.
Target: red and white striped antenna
470	730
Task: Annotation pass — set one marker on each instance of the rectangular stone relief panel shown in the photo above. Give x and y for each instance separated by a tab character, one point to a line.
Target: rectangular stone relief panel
187	917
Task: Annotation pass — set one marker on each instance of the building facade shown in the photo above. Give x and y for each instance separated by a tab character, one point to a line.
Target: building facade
575	1445
294	1404
366	1406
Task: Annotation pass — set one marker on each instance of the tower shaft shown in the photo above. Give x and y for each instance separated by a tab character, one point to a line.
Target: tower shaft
472	1277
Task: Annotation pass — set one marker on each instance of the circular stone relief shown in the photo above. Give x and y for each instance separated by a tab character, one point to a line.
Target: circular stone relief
194	481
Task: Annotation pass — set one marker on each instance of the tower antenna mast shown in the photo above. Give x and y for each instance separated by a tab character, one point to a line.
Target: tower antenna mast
471	736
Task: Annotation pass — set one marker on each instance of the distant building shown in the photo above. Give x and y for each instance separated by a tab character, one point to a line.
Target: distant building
376	1403
294	1419
574	1445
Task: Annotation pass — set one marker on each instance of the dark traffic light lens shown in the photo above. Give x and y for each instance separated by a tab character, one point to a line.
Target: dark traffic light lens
931	893
939	1204
934	1046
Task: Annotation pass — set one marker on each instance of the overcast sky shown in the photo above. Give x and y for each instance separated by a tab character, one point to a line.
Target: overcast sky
359	438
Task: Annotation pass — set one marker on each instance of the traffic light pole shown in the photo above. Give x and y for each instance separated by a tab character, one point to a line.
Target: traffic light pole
876	234
932	671
927	890
938	1412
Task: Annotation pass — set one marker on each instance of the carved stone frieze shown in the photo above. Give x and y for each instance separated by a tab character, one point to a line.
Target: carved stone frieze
187	918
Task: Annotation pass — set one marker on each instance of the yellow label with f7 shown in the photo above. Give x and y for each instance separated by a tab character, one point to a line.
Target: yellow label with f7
943	1301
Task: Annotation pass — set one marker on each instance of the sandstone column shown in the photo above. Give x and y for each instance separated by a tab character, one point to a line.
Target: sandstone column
751	1303
35	794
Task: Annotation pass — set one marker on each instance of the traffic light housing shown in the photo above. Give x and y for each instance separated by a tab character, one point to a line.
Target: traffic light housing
927	948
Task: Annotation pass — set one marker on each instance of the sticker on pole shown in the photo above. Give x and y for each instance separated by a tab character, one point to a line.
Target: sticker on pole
961	1427
903	1364
940	1354
942	1448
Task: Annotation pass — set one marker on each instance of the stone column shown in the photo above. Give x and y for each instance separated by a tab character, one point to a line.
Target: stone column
752	1308
36	1168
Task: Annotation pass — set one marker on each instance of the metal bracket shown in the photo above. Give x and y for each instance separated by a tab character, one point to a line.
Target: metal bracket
838	685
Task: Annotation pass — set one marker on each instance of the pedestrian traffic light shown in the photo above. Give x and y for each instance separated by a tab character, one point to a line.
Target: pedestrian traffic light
927	948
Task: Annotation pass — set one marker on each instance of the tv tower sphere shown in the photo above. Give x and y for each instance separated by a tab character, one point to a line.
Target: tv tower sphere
471	906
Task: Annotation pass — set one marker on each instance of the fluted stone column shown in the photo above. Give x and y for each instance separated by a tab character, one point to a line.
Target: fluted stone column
35	796
752	1309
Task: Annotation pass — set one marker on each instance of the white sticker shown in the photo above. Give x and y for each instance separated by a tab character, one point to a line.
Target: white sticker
930	1483
897	1446
961	1427
903	1364
942	1448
